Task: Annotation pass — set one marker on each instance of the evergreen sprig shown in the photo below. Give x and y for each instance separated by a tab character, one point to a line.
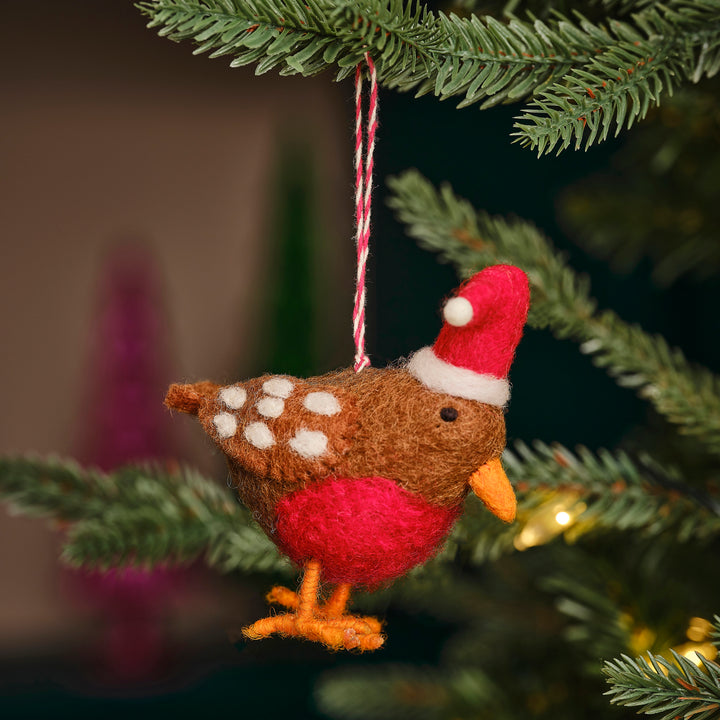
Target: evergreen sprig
621	492
304	36
603	492
686	395
489	61
55	488
665	689
138	515
668	45
394	692
587	79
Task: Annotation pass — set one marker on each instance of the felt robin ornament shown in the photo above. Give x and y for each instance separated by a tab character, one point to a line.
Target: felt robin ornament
359	477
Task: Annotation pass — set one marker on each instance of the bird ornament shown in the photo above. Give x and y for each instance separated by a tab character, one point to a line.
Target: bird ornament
359	477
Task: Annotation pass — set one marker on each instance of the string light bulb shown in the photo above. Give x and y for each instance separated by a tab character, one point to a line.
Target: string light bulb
698	646
550	519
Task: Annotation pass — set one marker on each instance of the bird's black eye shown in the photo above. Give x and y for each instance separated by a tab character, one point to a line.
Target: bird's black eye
449	414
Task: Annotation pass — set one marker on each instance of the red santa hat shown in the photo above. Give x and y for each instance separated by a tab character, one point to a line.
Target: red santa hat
483	325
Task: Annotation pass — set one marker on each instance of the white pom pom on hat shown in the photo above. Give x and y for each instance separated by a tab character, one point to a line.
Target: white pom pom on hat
458	311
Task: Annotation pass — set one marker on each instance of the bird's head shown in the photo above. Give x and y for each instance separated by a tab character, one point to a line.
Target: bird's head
464	378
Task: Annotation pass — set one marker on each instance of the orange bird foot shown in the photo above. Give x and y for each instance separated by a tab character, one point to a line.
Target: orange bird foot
348	632
327	624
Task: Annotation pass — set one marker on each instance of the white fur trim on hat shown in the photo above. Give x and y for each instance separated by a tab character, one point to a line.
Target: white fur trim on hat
442	377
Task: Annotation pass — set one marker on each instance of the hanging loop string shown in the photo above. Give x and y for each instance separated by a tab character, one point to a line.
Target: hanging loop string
363	198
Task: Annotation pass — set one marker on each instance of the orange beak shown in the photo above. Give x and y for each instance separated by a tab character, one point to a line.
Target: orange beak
490	483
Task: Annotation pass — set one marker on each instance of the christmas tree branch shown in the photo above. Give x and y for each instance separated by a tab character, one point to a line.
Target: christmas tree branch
303	37
400	691
620	84
148	537
604	76
667	690
590	493
138	515
484	59
56	488
686	395
599	624
620	492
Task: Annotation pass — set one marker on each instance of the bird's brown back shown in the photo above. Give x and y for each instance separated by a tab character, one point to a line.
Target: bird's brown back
388	425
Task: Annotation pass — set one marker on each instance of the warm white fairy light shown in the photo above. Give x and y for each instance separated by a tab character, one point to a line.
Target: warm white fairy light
550	519
699	646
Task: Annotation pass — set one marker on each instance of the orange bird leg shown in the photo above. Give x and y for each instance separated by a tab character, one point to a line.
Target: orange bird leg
337	603
307	597
328	625
490	483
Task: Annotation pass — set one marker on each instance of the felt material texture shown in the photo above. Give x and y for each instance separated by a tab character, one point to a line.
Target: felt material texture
390	425
276	436
458	311
490	483
500	298
190	397
442	377
366	472
327	624
364	531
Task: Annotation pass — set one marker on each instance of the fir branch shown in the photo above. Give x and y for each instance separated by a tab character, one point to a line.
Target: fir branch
665	689
601	492
400	691
597	624
138	515
149	536
305	36
686	395
484	59
604	76
620	84
621	492
617	89
403	40
56	488
478	58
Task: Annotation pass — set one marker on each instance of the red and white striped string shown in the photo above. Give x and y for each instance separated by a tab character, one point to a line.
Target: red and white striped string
363	198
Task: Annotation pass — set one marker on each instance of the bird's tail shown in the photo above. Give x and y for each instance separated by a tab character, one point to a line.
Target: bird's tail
188	397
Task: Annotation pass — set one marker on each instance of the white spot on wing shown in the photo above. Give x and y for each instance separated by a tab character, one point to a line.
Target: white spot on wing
278	387
309	443
259	435
234	397
225	424
270	407
322	403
